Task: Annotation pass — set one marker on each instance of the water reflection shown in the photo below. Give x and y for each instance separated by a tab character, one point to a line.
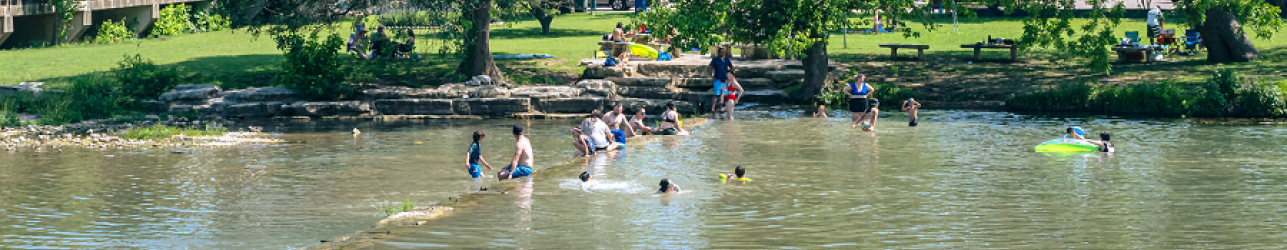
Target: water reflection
960	180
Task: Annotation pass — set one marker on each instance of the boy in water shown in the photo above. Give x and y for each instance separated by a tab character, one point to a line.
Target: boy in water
585	176
911	106
475	155
667	187
822	112
739	174
1075	133
521	165
581	142
871	116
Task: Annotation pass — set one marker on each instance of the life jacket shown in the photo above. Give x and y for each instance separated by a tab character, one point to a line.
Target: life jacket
855	90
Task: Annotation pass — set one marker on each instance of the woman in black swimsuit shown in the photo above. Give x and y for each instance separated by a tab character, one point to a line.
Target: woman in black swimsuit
670	121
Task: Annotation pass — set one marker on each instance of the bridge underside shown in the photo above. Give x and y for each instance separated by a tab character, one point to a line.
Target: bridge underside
25	25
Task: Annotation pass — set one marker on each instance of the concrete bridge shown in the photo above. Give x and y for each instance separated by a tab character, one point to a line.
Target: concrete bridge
28	21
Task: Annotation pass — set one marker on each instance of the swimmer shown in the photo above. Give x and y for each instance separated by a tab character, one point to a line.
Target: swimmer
870	118
911	106
1103	143
667	187
521	165
739	172
475	155
822	112
582	143
585	176
1075	133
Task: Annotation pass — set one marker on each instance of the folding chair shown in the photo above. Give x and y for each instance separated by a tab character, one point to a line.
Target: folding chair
1192	40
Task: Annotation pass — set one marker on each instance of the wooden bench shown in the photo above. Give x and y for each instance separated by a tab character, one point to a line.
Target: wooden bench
893	49
1149	52
1014	50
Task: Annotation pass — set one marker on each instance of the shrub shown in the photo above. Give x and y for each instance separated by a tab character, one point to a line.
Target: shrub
142	79
312	66
112	32
90	97
173	21
1227	94
206	21
9	113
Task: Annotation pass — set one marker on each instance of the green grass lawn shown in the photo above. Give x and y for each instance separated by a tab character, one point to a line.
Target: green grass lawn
236	58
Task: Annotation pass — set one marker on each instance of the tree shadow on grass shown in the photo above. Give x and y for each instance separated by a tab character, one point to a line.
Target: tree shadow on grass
536	33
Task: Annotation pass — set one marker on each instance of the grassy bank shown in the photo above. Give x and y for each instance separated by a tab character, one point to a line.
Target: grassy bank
161	131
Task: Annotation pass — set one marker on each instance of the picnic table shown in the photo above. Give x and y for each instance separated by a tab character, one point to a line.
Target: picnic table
1149	51
1014	50
620	47
640	38
893	49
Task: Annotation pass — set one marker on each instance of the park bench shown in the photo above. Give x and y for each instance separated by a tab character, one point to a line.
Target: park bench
893	49
1123	50
1014	50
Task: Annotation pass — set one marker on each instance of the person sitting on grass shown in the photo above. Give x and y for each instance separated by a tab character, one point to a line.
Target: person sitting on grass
410	45
355	43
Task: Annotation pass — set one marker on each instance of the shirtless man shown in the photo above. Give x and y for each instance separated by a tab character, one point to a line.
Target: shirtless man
637	122
910	105
521	165
616	119
619	35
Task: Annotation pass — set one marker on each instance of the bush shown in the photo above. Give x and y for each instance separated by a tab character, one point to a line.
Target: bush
206	21
112	32
173	21
312	66
142	79
9	113
1227	94
90	97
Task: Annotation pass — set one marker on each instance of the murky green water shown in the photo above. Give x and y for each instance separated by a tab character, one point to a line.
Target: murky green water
960	180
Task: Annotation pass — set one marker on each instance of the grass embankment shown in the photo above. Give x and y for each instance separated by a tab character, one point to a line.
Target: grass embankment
946	73
161	131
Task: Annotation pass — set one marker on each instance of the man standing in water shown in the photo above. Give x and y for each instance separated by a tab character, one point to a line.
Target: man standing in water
521	165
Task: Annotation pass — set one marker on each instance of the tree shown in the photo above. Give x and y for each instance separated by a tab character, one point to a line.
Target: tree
544	11
1220	23
476	18
1050	24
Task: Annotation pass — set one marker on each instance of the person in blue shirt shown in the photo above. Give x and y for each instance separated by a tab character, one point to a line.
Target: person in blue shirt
475	155
720	66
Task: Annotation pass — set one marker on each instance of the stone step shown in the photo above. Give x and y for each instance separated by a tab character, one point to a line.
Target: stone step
756	96
786	75
698	83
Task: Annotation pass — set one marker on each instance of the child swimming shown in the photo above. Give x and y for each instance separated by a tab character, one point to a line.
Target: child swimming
1075	133
667	187
739	173
585	176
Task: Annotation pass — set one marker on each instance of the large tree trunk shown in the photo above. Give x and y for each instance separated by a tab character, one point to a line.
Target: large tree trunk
478	59
815	70
248	15
1224	38
544	18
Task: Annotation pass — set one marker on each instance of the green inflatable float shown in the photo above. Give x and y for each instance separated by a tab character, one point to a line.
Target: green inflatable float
644	51
1065	145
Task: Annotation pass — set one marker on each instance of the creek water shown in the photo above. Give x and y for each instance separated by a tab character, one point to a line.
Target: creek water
959	180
